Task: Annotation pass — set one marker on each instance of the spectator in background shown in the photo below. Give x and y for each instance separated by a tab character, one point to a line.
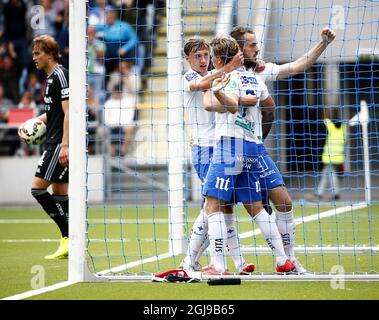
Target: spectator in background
8	136
93	112
93	105
333	158
142	15
120	40
10	71
35	87
97	13
129	80
27	102
119	118
62	33
1	19
15	29
5	104
95	57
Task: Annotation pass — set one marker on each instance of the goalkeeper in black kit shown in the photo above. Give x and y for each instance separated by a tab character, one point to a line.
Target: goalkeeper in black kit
52	169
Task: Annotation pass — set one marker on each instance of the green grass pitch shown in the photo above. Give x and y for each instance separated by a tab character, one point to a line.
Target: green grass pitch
26	236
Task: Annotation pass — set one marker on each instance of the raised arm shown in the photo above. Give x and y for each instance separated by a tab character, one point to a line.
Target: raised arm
306	61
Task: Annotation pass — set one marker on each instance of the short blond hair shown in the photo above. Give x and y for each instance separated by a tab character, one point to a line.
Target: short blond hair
224	47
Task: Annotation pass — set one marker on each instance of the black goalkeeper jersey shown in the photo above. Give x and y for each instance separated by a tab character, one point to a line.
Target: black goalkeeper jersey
56	91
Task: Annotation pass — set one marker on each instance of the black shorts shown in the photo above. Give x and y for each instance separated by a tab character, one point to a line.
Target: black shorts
48	166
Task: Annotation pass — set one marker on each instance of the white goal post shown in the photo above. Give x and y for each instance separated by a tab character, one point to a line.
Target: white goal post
77	142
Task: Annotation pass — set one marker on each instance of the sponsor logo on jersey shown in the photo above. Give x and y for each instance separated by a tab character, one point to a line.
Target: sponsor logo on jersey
245	124
248	80
251	92
232	84
190	76
222	184
65	91
247	159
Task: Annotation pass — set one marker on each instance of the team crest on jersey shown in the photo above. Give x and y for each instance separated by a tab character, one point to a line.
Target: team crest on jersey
232	84
248	80
190	76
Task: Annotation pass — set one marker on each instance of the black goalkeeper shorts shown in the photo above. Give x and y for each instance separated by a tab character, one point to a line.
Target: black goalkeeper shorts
48	166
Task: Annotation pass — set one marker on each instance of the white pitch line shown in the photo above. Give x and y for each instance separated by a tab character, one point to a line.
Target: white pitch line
136	263
28	240
166	255
35	292
97	221
244	235
26	221
314	217
108	240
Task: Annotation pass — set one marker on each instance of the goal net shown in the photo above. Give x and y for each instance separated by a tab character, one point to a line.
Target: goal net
134	193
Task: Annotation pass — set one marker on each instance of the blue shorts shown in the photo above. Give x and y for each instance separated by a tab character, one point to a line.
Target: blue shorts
233	175
201	159
269	176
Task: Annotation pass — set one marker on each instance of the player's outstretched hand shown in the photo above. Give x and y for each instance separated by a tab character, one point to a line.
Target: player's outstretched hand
328	35
220	83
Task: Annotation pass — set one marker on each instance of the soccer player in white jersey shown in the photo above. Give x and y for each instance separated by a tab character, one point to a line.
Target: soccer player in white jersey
278	193
196	80
270	177
234	173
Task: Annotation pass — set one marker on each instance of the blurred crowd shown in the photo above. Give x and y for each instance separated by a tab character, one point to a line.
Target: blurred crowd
116	61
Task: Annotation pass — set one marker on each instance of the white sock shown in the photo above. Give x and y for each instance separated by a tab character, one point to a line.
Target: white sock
270	230
198	236
202	248
217	239
286	227
233	242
